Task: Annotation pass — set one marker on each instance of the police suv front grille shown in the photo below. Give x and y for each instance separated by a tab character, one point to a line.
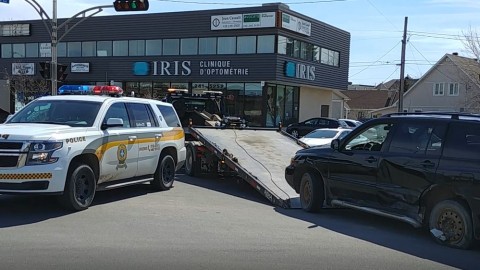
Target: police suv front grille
8	161
10	145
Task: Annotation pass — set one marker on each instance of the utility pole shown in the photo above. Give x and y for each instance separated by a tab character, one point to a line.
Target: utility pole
54	49
402	67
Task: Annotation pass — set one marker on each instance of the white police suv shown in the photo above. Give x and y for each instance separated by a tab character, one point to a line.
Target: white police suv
75	145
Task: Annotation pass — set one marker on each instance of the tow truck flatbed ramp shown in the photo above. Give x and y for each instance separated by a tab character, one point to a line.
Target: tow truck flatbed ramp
259	156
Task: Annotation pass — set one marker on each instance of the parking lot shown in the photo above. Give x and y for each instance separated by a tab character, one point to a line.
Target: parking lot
209	224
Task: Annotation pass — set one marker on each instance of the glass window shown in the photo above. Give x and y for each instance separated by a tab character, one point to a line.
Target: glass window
463	141
140	115
74	49
136	47
171	46
145	90
61	49
19	50
253	104
89	48
218	87
227	45
104	48
289	116
207	45
189	46
6	50
120	48
153	47
266	44
31	49
234	99
316	54
118	110
290	47
281	46
303	50
246	44
160	90
309	52
179	85
416	138
280	104
438	89
453	89
170	116
297	46
370	139
198	88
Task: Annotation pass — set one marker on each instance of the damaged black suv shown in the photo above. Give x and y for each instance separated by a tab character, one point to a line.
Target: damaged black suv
420	168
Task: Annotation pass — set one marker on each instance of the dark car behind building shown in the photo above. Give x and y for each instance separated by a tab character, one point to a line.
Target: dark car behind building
302	128
423	169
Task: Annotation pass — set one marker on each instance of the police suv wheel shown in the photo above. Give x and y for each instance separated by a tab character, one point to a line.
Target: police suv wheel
311	192
450	224
80	188
165	173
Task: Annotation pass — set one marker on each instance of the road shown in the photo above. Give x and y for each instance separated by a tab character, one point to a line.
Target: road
208	224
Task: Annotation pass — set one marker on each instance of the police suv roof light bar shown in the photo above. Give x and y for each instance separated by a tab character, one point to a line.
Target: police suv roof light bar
90	90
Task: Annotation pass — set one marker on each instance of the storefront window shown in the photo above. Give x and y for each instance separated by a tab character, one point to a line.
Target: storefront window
179	85
289	115
234	99
189	46
31	49
145	90
253	104
160	90
74	49
227	45
280	103
198	88
171	46
207	45
88	48
120	48
246	44
136	47
218	87
153	47
132	87
104	48
266	44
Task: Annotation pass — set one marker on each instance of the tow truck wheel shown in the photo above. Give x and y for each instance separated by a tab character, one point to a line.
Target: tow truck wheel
80	188
311	192
165	173
192	167
450	224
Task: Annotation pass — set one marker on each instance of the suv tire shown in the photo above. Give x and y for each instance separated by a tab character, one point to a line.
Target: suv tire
311	192
450	224
165	174
80	188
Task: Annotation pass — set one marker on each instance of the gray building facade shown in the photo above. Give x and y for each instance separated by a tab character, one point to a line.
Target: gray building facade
261	58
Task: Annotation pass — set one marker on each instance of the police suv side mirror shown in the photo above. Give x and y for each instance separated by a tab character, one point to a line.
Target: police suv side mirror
335	144
113	122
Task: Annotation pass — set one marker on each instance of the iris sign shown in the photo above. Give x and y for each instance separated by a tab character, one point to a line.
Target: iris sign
299	71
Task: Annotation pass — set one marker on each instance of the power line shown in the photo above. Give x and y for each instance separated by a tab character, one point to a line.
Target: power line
431	63
382	14
376	61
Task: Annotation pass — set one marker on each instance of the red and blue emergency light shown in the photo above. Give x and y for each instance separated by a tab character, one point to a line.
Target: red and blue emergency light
90	90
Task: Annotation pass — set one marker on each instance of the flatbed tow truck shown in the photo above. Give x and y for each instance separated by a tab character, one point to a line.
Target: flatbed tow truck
226	146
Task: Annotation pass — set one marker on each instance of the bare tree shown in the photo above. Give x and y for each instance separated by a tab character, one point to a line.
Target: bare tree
25	87
471	42
471	67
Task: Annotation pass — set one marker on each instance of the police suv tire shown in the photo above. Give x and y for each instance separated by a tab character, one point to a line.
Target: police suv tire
165	174
453	222
311	192
80	188
192	166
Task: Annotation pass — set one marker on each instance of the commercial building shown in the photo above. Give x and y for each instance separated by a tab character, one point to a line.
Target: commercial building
272	63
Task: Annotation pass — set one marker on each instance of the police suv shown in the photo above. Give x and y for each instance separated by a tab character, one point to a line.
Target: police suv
75	145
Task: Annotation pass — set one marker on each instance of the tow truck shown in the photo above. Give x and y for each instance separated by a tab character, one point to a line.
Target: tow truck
219	144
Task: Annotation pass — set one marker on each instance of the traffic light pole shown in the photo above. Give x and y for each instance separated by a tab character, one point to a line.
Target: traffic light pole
53	32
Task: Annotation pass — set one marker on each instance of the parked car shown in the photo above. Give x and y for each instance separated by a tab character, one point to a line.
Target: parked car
350	123
324	136
423	169
300	129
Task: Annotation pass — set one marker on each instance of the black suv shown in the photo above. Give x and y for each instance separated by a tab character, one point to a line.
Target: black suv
422	168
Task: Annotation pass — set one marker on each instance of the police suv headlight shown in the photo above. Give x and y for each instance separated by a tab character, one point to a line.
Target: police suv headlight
41	152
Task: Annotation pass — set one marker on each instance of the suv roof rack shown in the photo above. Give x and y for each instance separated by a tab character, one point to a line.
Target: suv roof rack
450	115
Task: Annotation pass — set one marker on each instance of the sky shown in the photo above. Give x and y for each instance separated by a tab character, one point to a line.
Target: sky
435	27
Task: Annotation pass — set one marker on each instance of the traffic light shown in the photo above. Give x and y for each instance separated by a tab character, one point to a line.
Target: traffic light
131	5
61	75
45	70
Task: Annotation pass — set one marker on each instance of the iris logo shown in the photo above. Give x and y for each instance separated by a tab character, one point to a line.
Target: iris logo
290	69
141	68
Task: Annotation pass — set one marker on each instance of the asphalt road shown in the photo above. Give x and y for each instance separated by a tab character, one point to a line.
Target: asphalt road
209	224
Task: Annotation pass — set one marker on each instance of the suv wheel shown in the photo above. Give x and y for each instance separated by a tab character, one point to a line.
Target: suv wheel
311	192
165	173
80	188
451	224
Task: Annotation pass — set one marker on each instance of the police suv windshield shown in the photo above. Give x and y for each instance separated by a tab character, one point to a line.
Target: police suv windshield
75	113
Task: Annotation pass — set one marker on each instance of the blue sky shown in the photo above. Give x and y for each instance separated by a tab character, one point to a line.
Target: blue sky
434	27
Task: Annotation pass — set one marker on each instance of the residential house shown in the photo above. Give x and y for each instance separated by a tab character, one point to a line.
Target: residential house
452	84
361	103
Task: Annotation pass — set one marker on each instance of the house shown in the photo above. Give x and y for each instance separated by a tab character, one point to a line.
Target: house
362	102
452	84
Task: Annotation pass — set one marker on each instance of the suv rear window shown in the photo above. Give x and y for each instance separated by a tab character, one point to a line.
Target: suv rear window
463	141
169	115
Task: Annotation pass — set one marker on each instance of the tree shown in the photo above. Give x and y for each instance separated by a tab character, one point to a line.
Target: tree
25	88
471	77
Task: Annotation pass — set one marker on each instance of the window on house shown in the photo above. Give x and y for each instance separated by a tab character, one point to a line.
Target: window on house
438	89
453	89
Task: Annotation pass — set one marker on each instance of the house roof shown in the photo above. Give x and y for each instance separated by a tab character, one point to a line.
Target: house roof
367	99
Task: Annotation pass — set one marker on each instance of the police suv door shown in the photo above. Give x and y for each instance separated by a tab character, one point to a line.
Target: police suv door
119	147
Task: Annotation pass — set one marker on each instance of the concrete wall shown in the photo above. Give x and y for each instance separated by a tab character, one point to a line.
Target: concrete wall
311	100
